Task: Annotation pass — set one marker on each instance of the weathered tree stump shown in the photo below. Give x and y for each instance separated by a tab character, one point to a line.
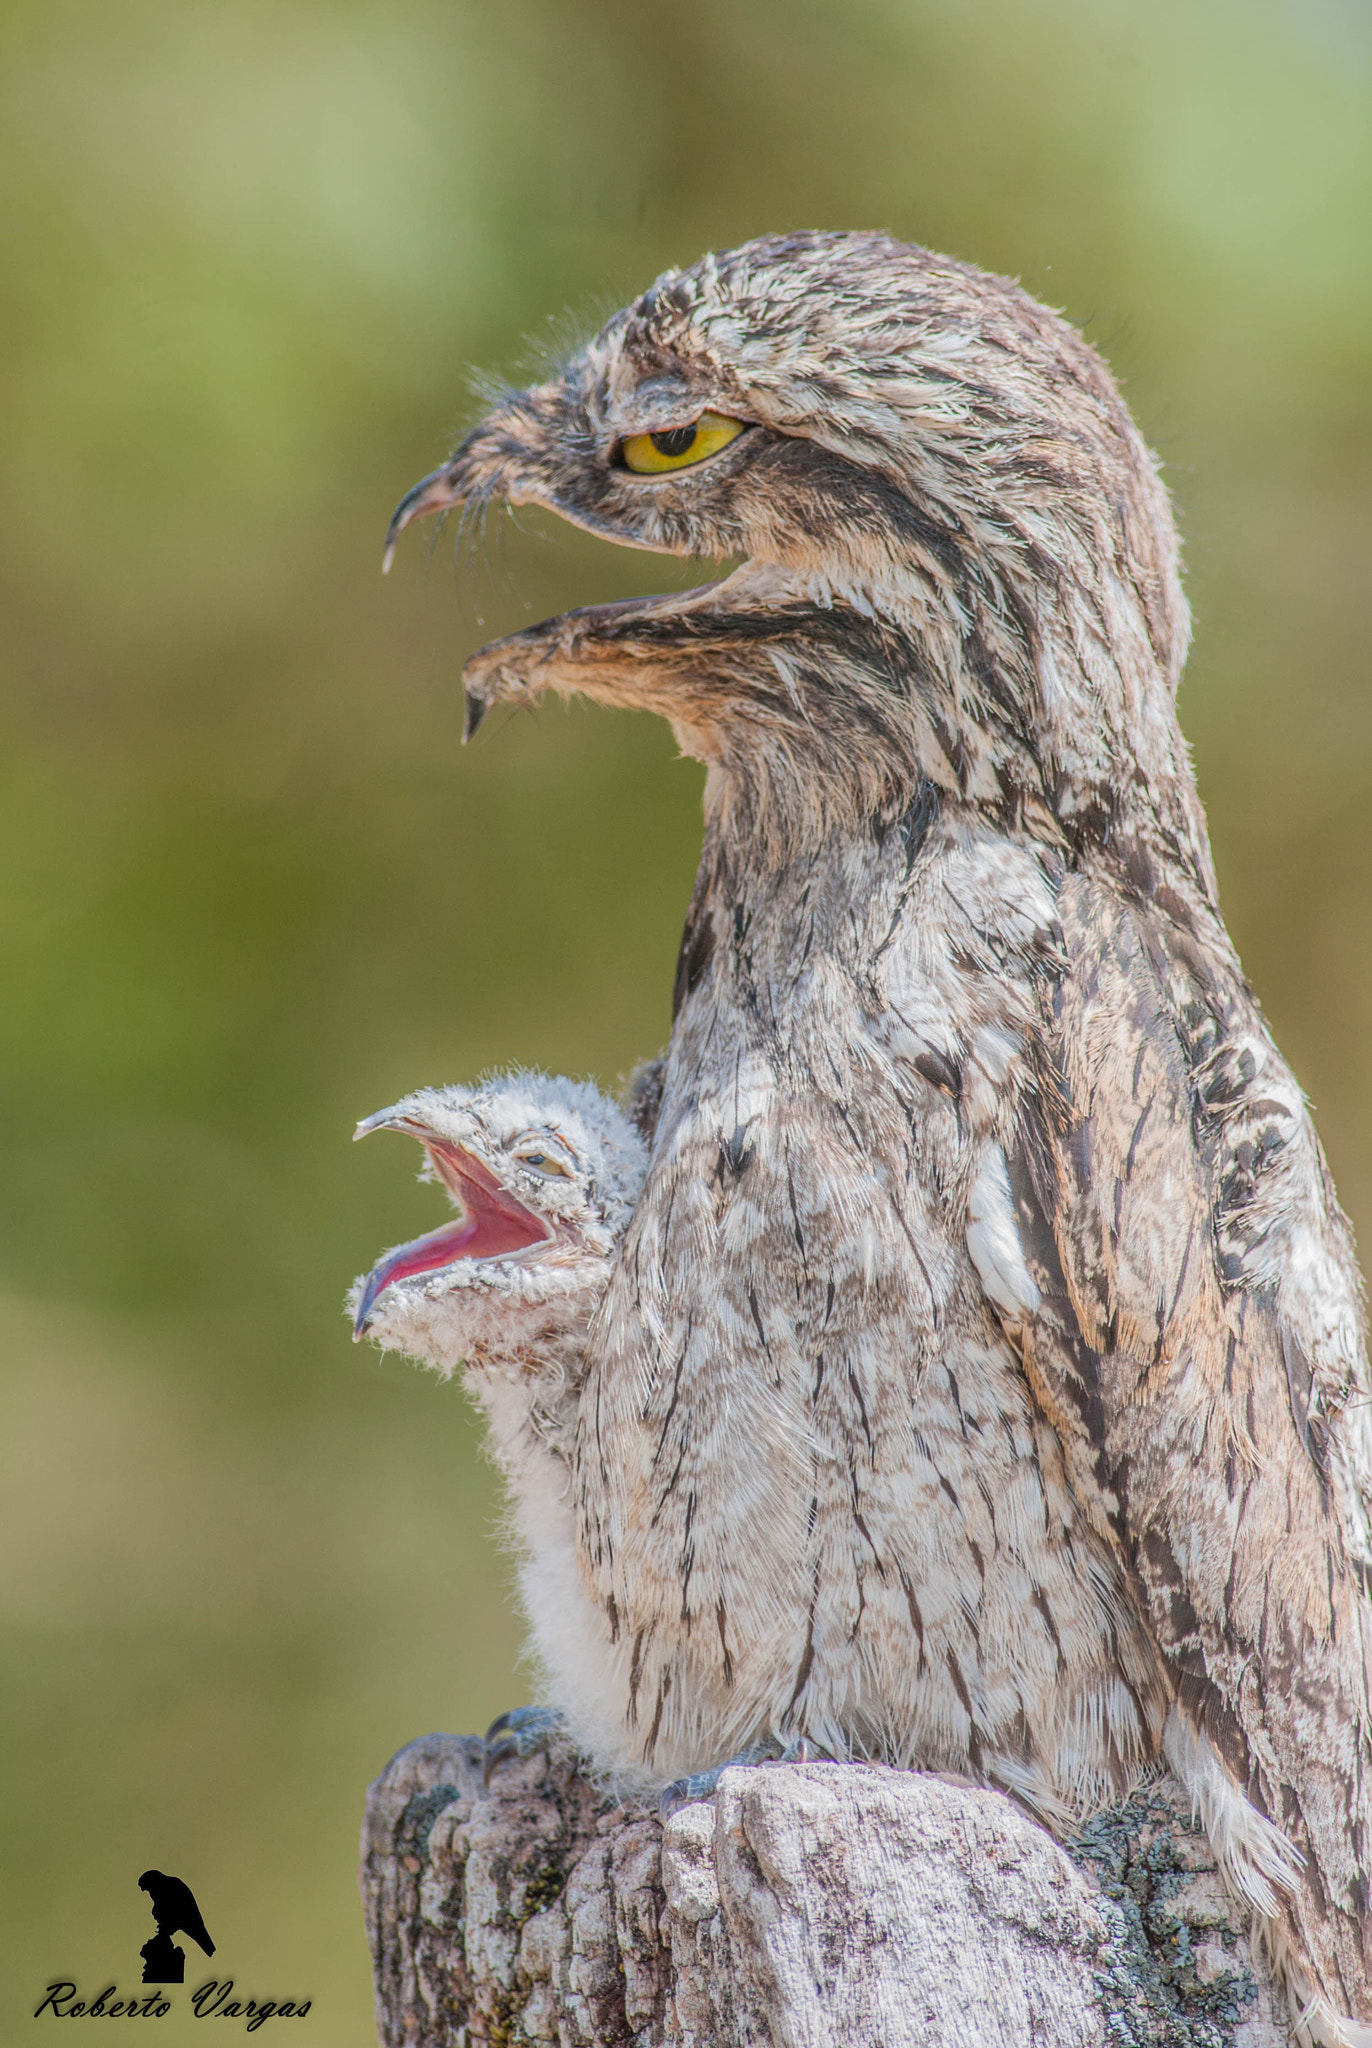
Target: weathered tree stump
805	1905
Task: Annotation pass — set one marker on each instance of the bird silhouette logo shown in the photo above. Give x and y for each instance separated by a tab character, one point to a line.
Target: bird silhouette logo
175	1911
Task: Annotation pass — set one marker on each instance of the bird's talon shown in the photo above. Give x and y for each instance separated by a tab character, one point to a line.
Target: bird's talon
699	1785
519	1733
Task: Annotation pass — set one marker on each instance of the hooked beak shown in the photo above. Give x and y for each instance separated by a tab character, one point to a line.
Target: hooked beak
490	1223
504	456
433	493
608	652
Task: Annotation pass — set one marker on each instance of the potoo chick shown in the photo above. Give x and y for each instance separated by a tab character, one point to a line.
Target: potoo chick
981	1383
542	1173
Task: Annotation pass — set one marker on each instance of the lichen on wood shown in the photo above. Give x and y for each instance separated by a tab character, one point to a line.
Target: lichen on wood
804	1905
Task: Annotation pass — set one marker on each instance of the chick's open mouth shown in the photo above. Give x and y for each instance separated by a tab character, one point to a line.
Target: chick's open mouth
490	1222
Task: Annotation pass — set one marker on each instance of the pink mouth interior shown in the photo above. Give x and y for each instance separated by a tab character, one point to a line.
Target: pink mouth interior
492	1224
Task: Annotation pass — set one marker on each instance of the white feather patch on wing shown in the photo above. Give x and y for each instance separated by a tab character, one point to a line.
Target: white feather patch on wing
1256	1857
1257	1861
994	1242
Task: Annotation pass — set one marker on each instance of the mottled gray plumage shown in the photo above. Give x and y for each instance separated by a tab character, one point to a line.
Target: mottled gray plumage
514	1322
981	1385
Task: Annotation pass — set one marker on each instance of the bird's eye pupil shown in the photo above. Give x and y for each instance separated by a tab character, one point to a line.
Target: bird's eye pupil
653	454
674	440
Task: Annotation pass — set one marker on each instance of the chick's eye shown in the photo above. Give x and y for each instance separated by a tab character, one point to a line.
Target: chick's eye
679	447
542	1162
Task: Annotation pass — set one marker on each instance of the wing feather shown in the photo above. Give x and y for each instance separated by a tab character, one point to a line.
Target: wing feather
1207	1406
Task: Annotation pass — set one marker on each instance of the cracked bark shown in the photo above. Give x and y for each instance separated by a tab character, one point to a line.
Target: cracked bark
805	1905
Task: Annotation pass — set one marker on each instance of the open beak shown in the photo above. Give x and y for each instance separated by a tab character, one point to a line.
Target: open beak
490	1223
615	653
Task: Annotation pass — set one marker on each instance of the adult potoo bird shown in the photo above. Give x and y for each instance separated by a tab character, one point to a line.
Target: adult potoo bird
543	1173
981	1384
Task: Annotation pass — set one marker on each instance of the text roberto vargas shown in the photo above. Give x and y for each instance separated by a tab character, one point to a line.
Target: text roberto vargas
212	1998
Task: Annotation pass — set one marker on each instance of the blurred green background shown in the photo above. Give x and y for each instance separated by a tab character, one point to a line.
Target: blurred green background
251	888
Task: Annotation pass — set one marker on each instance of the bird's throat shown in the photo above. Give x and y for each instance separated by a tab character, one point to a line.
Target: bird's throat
491	1224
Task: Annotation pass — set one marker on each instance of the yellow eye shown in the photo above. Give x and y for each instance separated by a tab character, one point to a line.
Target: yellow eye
679	447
